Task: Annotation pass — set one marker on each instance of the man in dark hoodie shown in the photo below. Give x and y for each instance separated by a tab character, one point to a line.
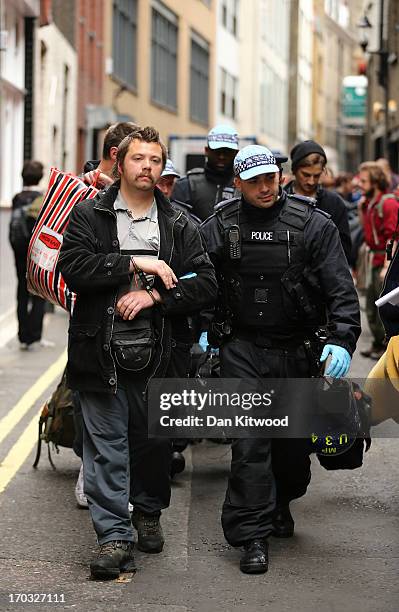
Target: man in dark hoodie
203	188
308	162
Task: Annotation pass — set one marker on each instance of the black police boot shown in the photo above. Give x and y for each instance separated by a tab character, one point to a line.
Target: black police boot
114	557
150	536
255	559
178	463
283	523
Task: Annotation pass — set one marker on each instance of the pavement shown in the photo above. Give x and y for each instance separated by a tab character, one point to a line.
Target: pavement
344	556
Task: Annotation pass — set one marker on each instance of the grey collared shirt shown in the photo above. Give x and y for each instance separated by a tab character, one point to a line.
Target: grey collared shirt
137	236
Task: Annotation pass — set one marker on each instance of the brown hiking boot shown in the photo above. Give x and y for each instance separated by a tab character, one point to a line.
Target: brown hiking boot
113	557
150	536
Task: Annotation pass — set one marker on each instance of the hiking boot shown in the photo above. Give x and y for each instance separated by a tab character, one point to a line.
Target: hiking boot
80	496
255	559
114	557
283	523
150	536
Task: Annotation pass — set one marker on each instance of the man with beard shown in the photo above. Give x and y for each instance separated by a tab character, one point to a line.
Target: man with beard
203	188
130	305
379	215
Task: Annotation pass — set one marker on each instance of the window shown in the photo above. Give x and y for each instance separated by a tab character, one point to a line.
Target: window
230	10
273	112
228	94
199	79
124	41
164	57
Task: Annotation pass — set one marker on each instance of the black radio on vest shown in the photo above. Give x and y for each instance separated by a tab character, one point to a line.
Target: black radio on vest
234	242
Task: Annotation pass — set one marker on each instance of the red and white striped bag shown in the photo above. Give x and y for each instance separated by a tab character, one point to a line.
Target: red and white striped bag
43	276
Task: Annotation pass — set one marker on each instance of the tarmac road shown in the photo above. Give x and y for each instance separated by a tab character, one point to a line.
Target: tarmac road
344	556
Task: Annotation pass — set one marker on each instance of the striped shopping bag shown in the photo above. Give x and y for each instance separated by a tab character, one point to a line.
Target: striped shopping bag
43	277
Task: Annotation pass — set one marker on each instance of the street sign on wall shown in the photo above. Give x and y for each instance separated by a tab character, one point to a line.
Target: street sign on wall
354	100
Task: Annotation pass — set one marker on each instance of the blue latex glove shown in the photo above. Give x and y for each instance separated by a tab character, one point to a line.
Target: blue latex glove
188	275
203	341
340	361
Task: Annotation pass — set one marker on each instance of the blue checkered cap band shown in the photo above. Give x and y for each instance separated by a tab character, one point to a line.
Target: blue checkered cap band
254	161
170	169
223	136
230	138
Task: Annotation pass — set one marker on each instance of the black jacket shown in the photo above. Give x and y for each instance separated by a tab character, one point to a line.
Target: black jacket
389	313
203	188
325	259
332	203
93	267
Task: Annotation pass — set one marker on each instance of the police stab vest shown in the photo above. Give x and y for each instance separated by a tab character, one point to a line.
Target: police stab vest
263	275
205	194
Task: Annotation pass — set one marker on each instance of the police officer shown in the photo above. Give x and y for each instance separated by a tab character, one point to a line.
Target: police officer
270	251
203	188
167	183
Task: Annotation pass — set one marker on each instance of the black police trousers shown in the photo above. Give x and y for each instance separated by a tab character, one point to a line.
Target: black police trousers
264	472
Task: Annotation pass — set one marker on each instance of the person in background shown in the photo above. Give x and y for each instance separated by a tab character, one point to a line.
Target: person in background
308	162
328	179
203	188
378	212
344	186
167	183
30	308
393	179
99	171
99	174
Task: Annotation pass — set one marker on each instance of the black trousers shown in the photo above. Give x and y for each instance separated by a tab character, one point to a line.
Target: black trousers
264	472
30	308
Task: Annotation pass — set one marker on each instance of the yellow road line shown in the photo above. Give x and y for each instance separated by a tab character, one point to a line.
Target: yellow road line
25	443
26	402
19	453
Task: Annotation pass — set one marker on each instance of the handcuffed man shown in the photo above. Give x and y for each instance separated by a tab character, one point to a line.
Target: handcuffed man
123	254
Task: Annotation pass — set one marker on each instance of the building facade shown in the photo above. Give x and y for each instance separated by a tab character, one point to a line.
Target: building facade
92	115
300	90
229	41
381	45
336	56
56	87
263	71
158	63
18	19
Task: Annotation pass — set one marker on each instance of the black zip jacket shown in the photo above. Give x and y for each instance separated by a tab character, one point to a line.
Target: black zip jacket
332	203
92	266
203	188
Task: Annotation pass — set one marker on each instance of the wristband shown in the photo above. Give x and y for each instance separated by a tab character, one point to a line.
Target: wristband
152	296
143	278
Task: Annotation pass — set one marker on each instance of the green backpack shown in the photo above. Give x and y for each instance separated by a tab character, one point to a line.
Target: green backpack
56	422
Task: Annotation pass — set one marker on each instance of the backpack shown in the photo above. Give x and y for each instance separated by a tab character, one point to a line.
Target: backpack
56	422
19	233
21	222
